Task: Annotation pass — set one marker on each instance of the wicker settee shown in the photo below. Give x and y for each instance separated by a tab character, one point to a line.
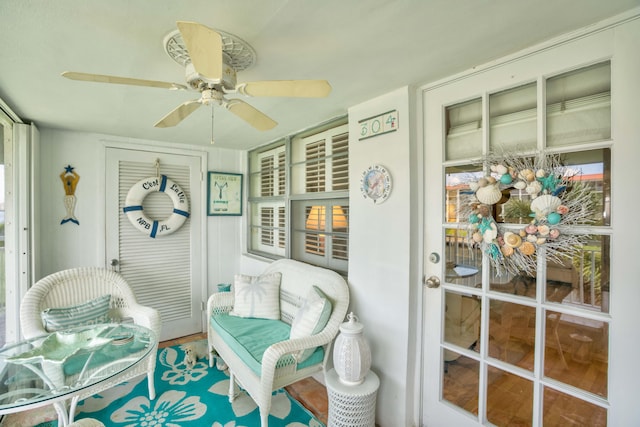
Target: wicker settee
277	364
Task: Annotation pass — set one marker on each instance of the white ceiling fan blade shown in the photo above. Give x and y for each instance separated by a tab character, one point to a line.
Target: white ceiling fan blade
288	88
102	78
246	112
205	48
178	114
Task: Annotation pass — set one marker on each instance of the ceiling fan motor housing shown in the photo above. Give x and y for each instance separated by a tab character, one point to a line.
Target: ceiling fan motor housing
198	81
219	56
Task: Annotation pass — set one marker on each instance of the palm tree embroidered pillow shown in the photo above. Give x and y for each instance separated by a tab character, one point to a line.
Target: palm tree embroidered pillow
257	296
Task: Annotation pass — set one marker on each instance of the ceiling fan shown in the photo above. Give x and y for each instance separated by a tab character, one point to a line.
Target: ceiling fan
211	59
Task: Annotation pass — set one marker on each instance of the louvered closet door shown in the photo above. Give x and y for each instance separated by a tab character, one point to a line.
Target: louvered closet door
165	272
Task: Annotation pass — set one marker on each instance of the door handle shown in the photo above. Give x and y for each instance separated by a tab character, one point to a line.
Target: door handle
432	282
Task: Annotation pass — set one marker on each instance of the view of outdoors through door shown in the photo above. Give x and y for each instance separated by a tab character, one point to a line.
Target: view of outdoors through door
527	346
571	342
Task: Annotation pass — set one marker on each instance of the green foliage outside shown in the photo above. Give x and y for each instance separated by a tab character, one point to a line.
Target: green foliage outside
517	210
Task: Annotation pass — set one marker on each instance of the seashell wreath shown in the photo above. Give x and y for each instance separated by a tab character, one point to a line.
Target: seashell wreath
559	202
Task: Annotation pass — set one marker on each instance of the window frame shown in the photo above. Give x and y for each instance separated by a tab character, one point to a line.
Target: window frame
295	194
276	200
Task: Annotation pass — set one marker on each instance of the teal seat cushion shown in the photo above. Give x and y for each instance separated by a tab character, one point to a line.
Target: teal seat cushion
249	338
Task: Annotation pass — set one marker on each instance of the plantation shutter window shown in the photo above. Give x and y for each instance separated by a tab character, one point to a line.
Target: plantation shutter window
340	162
315	167
266	176
266	201
266	220
320	207
320	162
320	233
299	197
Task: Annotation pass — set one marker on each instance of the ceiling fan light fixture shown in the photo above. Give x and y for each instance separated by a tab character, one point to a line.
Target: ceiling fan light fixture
210	96
198	82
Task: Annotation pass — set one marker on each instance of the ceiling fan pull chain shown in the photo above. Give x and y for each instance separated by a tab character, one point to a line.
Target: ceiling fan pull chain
212	141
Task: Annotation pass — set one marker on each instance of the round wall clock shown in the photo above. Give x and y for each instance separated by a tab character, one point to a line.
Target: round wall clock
375	183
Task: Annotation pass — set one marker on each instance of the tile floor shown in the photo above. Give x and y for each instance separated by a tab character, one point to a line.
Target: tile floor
309	392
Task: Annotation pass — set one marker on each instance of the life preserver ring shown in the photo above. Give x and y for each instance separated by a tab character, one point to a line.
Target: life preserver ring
134	211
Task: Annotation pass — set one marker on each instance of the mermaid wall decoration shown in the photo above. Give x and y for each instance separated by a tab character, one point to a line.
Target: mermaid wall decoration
70	180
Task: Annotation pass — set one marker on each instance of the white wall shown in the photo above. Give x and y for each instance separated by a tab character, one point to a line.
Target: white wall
224	242
68	245
381	259
383	256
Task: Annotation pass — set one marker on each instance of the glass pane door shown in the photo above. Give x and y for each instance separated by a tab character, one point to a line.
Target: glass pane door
6	152
525	236
3	287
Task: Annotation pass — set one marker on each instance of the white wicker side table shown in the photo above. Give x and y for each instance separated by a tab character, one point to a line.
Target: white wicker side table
352	405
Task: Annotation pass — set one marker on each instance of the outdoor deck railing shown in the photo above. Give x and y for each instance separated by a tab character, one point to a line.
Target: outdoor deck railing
587	291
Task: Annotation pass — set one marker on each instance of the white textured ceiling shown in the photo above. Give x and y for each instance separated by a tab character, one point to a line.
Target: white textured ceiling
364	48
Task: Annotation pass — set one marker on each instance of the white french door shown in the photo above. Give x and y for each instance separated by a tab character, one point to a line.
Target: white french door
553	346
166	272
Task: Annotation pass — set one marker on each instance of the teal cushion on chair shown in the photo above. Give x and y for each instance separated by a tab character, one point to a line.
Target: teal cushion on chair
249	338
89	313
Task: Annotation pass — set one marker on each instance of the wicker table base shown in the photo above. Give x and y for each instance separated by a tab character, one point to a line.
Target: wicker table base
352	405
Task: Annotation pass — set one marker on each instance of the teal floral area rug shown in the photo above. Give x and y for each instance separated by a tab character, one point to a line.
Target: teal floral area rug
196	396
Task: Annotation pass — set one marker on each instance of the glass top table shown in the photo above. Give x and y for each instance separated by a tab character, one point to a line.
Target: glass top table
59	366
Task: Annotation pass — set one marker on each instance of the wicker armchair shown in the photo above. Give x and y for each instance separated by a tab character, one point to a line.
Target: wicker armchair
78	285
297	279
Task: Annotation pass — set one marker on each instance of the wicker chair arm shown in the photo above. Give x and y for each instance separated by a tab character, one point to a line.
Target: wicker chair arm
221	302
276	351
142	315
33	330
30	320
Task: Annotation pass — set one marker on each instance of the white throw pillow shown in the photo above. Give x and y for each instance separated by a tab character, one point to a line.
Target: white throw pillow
310	319
257	296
